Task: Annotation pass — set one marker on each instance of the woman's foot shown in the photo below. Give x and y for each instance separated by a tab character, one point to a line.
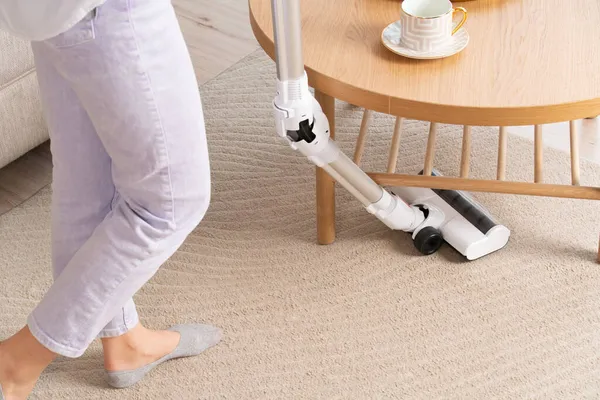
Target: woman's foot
137	348
128	358
22	361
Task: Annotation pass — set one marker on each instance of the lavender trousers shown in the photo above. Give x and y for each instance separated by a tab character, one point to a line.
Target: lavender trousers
131	174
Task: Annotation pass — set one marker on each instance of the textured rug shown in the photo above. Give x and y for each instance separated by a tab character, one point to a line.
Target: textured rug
364	318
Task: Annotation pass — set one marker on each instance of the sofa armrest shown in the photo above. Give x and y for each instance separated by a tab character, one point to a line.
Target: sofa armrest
22	126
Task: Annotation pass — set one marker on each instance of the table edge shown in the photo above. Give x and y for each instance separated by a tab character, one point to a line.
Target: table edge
441	113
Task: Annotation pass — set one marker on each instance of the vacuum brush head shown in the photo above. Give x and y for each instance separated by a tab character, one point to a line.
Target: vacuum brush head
463	222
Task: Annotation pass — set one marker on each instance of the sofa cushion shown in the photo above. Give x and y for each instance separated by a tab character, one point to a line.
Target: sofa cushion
16	58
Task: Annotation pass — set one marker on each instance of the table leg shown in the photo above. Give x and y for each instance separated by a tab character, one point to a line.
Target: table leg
325	184
574	153
465	157
430	152
539	154
502	145
362	137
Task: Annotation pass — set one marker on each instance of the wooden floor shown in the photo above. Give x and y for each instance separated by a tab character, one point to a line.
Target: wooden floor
218	35
25	177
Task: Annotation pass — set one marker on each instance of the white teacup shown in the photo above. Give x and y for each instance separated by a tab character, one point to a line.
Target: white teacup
428	24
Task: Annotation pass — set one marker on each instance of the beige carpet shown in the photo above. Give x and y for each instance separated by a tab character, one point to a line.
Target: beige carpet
364	318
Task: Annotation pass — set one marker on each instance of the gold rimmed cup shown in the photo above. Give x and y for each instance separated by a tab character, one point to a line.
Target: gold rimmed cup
427	25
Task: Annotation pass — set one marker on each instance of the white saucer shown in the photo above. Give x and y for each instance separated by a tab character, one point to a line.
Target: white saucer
391	39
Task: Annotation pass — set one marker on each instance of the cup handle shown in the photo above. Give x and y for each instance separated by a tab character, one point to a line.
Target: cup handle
464	19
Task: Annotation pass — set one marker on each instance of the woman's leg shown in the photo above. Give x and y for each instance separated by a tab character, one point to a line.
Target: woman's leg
82	187
129	67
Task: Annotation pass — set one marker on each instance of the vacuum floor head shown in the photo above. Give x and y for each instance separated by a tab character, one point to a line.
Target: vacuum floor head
463	223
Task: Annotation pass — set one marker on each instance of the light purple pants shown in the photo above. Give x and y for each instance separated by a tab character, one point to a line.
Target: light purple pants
131	169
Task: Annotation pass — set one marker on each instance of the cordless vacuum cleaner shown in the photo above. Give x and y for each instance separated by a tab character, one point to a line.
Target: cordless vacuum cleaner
431	216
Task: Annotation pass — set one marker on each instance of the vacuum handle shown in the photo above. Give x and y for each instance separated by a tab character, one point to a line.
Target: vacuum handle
287	27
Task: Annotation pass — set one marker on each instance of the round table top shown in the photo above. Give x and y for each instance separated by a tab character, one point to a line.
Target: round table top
528	61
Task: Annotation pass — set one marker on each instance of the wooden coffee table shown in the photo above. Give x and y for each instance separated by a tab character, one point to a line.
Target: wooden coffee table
529	62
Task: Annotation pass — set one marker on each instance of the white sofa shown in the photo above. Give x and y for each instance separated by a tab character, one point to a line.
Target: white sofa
22	125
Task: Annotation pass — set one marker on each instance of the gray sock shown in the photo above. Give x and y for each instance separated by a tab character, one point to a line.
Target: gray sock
195	338
1	394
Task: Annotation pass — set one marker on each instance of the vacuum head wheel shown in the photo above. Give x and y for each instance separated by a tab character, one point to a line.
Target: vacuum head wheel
428	240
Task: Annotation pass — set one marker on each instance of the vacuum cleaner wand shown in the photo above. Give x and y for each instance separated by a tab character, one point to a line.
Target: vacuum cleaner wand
301	121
